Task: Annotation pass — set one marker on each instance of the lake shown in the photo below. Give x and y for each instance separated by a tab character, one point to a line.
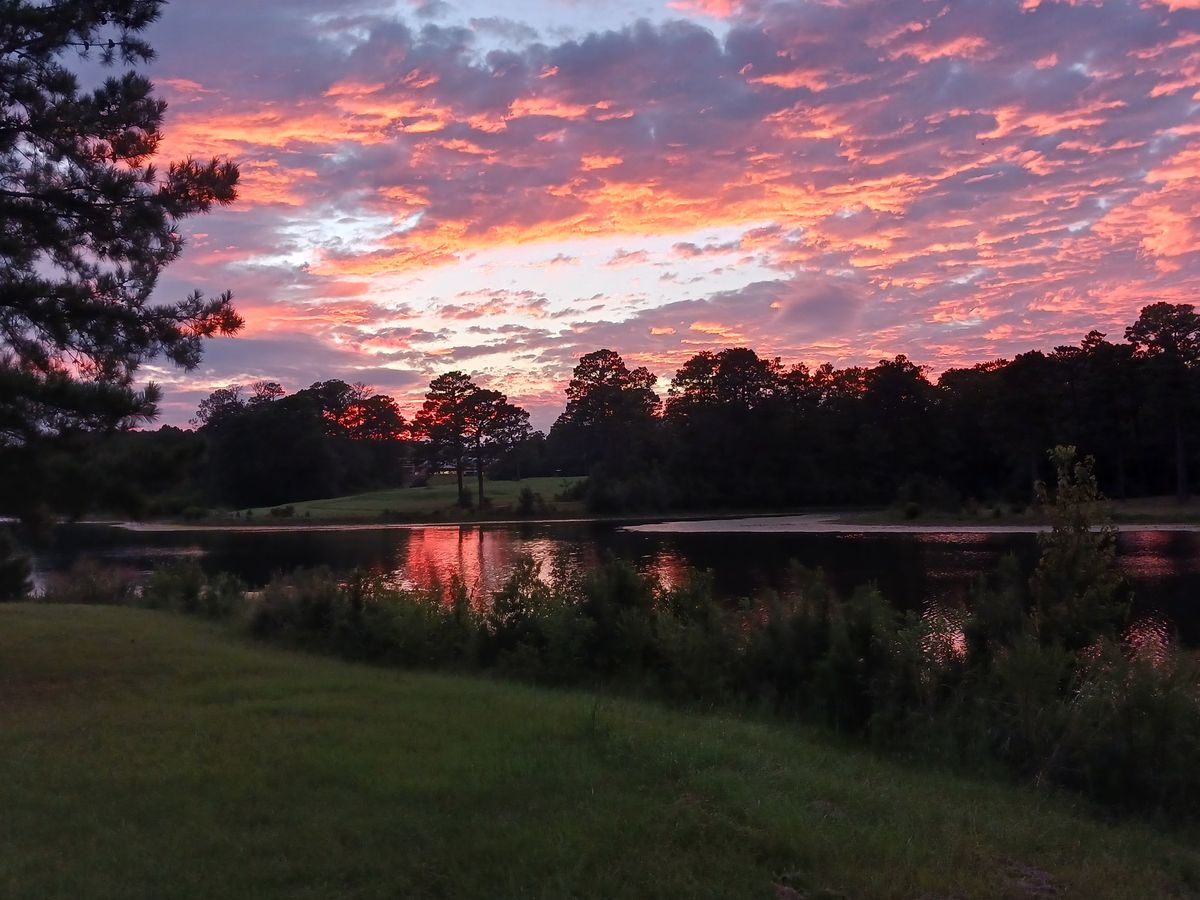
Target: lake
914	571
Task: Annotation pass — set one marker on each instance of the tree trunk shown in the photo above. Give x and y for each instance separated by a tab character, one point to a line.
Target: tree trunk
458	470
479	473
1120	453
1181	474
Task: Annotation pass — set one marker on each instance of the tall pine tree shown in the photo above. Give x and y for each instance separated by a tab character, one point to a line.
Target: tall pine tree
87	223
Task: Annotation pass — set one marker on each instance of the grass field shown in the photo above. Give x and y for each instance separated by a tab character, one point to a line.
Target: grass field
143	755
438	499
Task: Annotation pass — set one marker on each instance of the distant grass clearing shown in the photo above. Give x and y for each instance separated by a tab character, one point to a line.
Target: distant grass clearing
438	498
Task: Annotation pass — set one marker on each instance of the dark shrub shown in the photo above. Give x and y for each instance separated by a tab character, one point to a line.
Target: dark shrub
642	492
697	640
1132	731
299	605
572	490
15	570
179	586
363	618
87	581
536	629
789	636
930	493
1079	595
223	596
184	587
620	602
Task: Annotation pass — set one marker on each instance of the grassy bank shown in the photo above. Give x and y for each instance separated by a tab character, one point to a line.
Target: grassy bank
436	500
147	755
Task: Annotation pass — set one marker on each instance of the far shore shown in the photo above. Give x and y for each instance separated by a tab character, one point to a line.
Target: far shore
346	525
785	523
824	524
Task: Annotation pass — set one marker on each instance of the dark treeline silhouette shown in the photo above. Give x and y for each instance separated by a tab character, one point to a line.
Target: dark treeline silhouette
89	220
732	430
740	430
257	445
264	447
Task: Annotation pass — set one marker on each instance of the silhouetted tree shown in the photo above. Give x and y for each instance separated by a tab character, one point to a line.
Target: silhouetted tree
493	425
610	412
271	452
330	438
221	402
374	417
442	421
971	456
723	411
1023	415
1167	336
737	377
89	223
265	391
1101	403
898	410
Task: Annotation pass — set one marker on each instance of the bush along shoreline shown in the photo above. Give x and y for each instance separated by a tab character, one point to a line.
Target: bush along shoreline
1037	677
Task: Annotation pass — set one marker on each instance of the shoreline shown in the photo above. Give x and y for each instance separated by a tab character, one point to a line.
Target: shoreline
350	525
782	523
823	524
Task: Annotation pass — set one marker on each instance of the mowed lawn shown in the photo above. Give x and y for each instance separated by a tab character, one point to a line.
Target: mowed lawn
438	498
145	755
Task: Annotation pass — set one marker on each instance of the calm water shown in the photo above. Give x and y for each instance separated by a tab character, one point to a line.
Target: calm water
914	571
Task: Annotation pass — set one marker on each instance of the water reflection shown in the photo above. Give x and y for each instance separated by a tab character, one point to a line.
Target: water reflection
931	574
1150	638
946	639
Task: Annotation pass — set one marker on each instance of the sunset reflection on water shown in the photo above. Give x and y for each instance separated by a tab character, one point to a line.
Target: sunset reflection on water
484	557
929	574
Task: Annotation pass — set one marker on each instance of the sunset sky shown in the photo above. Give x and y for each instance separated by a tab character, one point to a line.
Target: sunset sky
430	186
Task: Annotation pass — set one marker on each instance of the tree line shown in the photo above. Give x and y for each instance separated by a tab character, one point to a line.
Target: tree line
258	446
733	429
90	223
737	429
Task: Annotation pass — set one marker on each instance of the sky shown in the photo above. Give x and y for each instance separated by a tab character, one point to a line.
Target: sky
500	188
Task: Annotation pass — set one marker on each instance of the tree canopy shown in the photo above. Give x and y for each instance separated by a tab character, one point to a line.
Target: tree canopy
460	420
89	223
609	417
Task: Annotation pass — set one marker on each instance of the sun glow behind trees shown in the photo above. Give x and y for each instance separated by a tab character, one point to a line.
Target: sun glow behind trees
740	430
823	182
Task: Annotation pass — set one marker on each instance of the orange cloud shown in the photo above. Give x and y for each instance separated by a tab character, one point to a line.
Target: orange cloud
720	9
